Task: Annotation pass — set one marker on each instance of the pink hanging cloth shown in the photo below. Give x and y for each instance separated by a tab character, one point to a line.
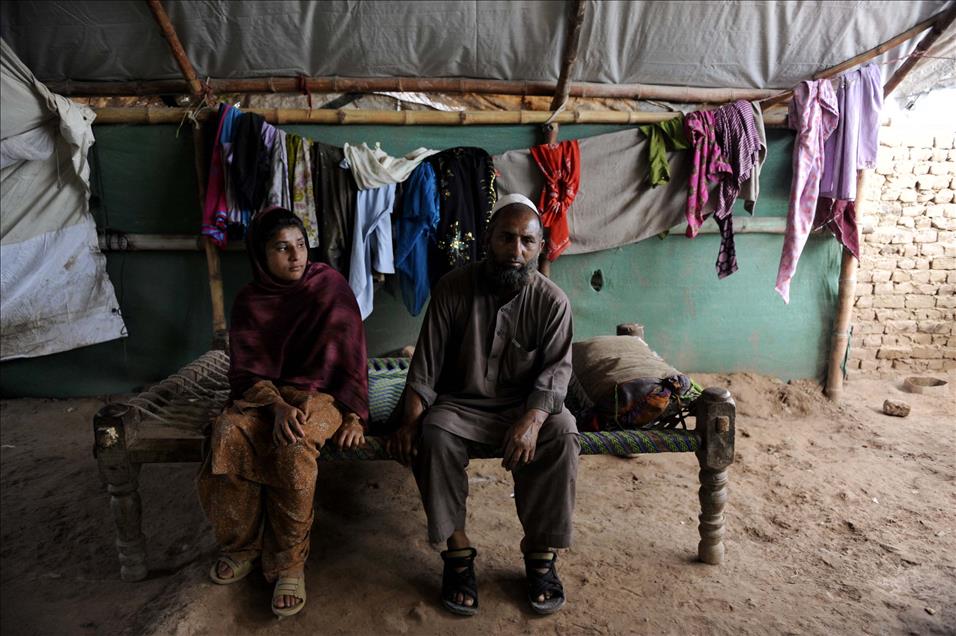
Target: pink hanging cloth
561	166
814	114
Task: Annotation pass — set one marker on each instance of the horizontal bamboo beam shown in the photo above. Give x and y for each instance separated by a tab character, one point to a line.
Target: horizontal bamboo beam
455	85
866	56
151	115
192	243
120	242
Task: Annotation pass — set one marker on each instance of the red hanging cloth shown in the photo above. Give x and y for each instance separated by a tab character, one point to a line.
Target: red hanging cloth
561	166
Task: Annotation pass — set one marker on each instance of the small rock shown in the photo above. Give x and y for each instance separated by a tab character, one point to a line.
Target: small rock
896	408
929	610
419	613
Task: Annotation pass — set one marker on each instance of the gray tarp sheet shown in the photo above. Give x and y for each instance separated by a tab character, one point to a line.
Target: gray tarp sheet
700	43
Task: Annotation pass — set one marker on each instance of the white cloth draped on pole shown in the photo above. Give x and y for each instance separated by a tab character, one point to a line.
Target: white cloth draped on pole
55	294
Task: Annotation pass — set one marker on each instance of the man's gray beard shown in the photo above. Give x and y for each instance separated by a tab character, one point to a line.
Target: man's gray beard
509	279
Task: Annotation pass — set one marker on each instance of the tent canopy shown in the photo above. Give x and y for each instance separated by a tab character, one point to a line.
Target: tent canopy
741	44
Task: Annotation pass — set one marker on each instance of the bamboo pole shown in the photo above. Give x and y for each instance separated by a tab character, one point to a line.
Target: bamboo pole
840	336
121	242
938	28
213	265
169	31
866	56
151	115
453	85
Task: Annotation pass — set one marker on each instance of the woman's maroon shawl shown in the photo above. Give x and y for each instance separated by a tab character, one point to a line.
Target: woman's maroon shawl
307	334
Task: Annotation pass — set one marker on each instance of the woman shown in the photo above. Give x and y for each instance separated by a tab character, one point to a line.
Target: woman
298	376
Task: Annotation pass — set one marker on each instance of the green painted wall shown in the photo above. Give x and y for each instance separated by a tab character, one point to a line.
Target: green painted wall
697	322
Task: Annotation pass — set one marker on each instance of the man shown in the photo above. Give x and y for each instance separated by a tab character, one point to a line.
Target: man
491	367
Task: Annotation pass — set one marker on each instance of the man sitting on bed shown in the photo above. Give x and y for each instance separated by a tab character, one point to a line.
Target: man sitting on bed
491	367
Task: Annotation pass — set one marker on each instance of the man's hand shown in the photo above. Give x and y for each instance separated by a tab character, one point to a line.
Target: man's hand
351	433
287	424
403	443
522	438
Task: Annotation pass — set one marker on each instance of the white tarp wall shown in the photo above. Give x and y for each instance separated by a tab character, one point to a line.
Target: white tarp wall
54	291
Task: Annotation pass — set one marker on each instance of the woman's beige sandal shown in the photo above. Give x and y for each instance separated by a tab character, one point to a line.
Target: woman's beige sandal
240	569
289	586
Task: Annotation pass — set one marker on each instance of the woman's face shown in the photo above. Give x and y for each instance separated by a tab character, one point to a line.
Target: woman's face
287	254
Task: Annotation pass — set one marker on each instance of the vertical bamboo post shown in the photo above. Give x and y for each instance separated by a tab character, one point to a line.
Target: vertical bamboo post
847	292
213	264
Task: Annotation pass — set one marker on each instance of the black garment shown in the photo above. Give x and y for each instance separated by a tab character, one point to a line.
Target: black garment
466	194
335	195
251	170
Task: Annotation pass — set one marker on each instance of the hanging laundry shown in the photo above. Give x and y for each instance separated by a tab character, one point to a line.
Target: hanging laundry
739	142
373	167
466	194
299	151
335	191
663	137
371	243
614	205
216	206
415	227
854	143
851	147
814	114
750	189
234	227
278	194
250	165
561	166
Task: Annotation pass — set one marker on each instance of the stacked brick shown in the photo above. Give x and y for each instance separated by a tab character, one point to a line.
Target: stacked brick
905	308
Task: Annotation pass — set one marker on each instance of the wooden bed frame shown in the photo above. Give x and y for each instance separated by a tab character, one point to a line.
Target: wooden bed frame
170	422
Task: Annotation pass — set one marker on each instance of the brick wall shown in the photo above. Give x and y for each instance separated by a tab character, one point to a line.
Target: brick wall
904	316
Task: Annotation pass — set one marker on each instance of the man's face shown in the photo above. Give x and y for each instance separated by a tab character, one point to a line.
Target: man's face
514	246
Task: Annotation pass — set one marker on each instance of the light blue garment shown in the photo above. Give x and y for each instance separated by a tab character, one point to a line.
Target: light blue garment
371	243
413	231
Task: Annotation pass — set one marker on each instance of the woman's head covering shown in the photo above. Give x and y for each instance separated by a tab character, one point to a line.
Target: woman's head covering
262	229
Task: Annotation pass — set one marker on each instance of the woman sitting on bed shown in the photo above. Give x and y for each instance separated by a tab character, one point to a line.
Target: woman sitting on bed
298	376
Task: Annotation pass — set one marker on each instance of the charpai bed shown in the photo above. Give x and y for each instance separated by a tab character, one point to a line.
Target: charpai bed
170	423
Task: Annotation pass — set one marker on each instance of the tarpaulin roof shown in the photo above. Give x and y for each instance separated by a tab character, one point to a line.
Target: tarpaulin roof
739	44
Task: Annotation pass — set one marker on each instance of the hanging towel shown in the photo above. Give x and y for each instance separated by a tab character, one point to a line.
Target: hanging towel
371	243
614	205
303	196
663	137
278	194
561	166
335	191
814	114
373	167
466	194
414	230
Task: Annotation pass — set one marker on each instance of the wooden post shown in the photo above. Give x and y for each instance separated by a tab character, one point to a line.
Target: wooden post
121	475
845	297
169	31
715	414
213	264
938	28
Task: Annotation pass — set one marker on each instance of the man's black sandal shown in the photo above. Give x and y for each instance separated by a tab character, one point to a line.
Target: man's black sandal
543	583
462	582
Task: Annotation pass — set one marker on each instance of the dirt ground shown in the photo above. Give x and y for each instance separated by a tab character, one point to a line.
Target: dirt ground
841	520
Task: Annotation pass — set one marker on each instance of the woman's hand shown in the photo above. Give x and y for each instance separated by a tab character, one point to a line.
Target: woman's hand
351	433
287	425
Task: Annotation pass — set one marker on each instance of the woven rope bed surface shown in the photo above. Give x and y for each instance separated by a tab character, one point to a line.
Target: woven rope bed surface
188	401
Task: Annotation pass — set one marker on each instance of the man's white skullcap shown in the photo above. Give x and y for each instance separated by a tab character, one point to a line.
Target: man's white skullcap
511	199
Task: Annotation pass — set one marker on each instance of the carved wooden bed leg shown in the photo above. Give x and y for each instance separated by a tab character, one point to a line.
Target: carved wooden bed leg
715	423
121	477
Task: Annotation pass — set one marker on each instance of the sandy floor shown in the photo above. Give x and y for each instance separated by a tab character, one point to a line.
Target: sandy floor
840	521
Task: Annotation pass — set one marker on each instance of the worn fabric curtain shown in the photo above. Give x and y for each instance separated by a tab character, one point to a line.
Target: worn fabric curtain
54	291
